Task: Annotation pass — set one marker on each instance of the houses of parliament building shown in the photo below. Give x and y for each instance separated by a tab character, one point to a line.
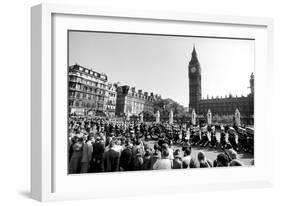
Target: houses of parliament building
219	106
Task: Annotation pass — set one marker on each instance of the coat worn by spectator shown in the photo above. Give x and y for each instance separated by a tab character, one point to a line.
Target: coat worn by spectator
126	159
111	160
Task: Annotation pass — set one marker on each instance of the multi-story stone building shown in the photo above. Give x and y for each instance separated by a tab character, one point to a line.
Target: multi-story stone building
220	106
132	102
88	91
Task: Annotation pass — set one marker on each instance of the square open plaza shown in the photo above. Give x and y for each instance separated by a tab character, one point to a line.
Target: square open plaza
116	128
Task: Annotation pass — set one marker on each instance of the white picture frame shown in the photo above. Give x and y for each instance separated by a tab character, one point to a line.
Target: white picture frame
49	180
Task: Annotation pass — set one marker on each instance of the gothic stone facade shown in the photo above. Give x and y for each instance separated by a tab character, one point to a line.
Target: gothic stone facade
220	106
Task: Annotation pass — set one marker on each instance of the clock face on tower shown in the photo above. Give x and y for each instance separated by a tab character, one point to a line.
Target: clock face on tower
193	69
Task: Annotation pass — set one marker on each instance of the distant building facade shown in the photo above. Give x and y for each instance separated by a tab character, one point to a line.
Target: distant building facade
220	106
133	102
88	92
111	100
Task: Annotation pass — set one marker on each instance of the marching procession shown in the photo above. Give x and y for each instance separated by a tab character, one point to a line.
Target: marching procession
97	144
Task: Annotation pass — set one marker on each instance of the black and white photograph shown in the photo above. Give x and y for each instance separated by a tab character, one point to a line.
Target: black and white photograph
159	102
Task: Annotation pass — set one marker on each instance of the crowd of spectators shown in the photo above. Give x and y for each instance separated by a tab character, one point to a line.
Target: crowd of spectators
96	145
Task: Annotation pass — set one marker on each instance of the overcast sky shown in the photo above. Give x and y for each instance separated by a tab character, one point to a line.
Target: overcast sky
159	64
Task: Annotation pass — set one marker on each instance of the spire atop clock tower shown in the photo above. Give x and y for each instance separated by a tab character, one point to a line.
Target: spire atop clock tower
194	58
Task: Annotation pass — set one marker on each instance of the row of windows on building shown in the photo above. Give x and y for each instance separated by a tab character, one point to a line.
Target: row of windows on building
87	82
81	95
83	104
83	88
88	72
142	97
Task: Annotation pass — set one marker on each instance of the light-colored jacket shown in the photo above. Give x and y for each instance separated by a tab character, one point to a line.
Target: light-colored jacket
163	164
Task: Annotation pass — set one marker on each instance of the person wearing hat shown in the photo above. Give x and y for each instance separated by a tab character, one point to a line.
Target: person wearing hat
177	162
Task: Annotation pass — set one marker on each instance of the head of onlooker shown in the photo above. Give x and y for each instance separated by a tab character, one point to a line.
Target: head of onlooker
75	139
147	152
177	161
156	147
177	154
186	145
111	144
128	144
164	153
138	142
98	139
165	146
222	160
201	157
234	158
203	161
187	151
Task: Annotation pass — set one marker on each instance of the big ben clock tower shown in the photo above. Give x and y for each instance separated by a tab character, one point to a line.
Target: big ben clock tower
194	75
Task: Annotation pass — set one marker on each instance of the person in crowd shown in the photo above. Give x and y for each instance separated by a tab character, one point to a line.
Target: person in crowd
138	160
203	162
76	157
168	146
204	139
234	159
97	155
138	147
155	156
194	137
214	142
126	158
117	146
223	141
221	160
147	158
111	159
87	154
177	162
187	160
232	139
73	140
164	162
